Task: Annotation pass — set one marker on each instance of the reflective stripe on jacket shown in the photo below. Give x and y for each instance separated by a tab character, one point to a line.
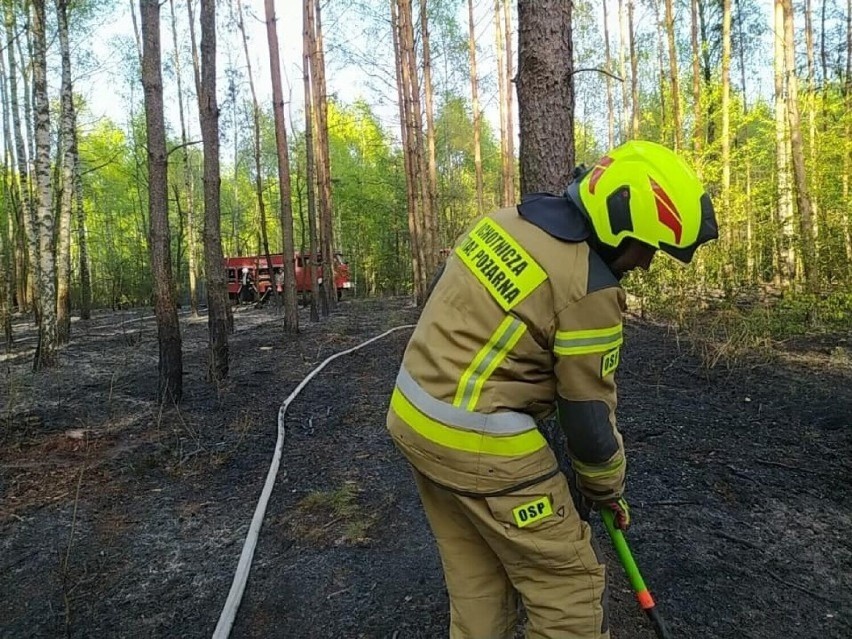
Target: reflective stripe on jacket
519	324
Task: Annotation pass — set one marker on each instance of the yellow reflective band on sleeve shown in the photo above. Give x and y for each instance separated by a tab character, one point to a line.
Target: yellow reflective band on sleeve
503	267
597	472
467	441
597	340
532	512
489	357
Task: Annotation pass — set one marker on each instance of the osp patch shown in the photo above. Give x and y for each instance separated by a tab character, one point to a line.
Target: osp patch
610	361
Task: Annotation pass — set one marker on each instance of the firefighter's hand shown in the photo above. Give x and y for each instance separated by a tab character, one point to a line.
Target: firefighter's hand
620	511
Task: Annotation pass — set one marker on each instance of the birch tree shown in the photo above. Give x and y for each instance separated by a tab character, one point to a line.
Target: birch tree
69	167
29	240
46	351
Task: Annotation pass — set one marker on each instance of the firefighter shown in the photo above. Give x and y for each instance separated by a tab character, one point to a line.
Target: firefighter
527	319
247	291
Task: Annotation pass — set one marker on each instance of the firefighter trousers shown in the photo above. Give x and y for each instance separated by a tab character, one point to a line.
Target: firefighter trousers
496	548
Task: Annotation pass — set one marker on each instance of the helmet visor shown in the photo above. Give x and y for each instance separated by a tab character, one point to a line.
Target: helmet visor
708	230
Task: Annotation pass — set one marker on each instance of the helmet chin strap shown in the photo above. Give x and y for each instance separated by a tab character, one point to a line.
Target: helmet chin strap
608	253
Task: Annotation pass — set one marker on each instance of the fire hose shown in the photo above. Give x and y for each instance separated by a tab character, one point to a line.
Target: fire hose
235	595
643	596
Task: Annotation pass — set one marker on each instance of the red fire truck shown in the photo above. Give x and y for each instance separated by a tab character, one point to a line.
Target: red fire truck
248	276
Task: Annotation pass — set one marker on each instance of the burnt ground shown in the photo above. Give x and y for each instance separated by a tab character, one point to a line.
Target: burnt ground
119	518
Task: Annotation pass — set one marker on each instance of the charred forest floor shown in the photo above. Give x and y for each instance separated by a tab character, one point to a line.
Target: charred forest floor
122	518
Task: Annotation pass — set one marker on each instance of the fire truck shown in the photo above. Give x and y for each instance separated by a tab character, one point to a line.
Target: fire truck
249	278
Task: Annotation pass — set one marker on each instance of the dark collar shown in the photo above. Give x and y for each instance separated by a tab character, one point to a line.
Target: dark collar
555	215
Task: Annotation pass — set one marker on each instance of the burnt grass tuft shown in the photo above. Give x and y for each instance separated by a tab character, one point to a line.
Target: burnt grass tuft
121	518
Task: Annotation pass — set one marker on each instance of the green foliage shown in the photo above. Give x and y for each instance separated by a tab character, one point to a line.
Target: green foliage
369	199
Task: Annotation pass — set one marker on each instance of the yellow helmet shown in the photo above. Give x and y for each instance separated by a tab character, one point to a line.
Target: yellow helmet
646	191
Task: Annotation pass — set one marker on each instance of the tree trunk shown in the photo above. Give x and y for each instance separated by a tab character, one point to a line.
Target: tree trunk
432	209
8	213
258	173
622	69
697	132
634	70
7	275
170	383
415	131
28	240
784	211
812	139
847	136
661	61
310	173
46	351
824	64
738	5
69	160
545	95
430	254
82	242
510	100
750	247
803	202
610	111
707	73
673	74
501	99
136	33
190	210
324	166
726	110
409	149
219	320
12	208
29	99
477	124
291	302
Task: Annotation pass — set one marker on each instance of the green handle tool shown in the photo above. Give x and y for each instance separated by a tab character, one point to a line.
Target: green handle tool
626	557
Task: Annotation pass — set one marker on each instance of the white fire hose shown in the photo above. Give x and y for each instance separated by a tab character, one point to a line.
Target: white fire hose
229	612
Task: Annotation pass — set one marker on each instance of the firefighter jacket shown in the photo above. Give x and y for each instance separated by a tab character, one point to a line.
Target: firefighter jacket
525	320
